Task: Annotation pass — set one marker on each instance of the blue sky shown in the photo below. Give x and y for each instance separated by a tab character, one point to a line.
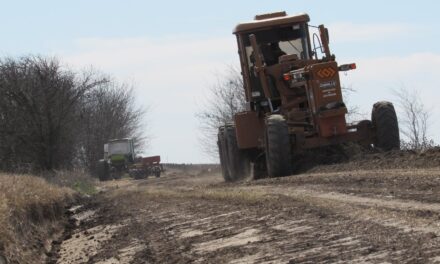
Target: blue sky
44	25
395	43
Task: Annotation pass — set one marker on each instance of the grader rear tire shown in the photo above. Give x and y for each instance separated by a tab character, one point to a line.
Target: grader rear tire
278	147
221	143
386	126
237	160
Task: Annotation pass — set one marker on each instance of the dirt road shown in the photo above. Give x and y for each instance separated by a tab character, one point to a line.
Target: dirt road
374	216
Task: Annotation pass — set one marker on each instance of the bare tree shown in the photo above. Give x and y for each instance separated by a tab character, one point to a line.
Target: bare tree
414	119
354	113
226	97
49	114
40	98
109	112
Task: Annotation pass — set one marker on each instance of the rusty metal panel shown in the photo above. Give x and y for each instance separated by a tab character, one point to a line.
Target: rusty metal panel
273	22
326	84
249	129
327	100
317	142
332	126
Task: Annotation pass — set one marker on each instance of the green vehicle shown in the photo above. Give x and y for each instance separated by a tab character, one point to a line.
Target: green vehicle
118	156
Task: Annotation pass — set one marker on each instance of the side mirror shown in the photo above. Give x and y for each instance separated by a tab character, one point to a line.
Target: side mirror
327	35
323	32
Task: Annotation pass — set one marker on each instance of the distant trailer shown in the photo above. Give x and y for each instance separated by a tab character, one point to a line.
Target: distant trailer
151	160
146	166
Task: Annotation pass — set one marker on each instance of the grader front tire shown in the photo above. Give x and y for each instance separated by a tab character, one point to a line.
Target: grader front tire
386	126
278	147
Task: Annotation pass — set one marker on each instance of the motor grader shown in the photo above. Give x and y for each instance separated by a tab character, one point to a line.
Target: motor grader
294	100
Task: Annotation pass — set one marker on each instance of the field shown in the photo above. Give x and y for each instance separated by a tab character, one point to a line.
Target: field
346	213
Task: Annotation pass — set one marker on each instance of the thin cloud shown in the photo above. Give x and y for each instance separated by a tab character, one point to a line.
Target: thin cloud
170	73
375	79
350	32
422	67
122	52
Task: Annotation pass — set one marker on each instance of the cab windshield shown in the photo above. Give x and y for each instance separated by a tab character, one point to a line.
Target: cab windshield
119	148
274	43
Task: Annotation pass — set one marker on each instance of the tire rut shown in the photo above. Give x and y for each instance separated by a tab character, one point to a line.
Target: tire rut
182	218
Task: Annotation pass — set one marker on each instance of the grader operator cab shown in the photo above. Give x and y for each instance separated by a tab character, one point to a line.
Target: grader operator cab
293	100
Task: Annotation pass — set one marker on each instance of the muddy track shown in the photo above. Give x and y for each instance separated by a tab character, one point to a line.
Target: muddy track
375	216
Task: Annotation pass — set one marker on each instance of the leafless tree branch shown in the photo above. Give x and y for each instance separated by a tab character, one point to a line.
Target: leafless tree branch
414	119
50	116
225	98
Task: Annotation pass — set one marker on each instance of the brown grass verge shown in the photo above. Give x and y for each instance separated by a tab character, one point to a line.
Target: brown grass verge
225	194
78	180
30	210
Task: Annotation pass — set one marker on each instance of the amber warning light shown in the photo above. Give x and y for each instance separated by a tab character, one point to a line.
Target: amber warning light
347	67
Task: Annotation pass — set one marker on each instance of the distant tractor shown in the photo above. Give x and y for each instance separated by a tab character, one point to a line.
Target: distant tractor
293	100
119	158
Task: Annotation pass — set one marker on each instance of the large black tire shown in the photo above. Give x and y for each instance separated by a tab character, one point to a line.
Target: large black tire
116	171
237	160
222	152
278	147
365	126
138	174
103	170
386	126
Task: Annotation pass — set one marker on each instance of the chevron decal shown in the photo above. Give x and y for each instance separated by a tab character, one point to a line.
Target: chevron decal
326	72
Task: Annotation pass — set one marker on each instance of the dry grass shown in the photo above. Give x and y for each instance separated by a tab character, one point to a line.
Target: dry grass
26	202
222	194
233	195
4	219
78	180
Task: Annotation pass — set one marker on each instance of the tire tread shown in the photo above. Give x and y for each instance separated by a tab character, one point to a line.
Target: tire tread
278	147
386	126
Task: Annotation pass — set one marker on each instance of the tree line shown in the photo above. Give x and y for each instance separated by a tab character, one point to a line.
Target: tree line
53	117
